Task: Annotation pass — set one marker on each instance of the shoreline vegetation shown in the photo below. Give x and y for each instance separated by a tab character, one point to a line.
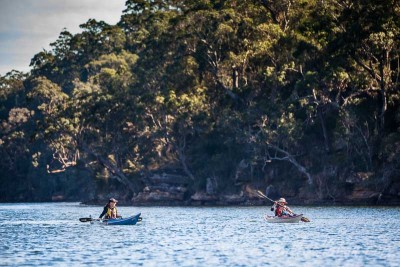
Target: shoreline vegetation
202	102
248	203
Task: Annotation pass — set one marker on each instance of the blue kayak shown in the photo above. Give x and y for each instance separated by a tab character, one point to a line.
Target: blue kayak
124	221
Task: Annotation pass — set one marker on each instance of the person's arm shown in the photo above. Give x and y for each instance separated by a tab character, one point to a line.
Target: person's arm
104	212
289	210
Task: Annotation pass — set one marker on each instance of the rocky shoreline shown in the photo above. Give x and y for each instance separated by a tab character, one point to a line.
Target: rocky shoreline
171	189
238	200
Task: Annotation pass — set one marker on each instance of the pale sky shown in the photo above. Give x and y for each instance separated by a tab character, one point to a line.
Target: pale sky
29	26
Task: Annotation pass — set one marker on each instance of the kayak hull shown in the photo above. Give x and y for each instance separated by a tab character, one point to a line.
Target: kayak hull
122	221
284	219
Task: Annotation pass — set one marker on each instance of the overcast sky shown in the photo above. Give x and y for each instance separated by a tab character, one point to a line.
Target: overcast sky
29	26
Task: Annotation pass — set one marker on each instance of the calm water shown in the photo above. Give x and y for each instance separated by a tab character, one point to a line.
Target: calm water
50	234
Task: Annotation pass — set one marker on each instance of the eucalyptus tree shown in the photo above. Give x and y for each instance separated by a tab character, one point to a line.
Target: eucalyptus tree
215	88
89	123
49	103
373	54
16	131
165	85
235	53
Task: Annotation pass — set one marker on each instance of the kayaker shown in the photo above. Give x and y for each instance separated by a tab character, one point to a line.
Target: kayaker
110	210
280	208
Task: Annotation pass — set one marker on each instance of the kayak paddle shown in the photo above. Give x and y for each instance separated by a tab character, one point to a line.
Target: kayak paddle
261	194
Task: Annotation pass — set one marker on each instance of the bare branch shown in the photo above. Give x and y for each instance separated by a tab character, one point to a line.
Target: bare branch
288	157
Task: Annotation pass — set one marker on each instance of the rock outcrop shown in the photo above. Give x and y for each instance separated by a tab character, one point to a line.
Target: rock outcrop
163	188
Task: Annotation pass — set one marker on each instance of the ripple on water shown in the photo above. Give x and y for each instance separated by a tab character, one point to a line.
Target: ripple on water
50	234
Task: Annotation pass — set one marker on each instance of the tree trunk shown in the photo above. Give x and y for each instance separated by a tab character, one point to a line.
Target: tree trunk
235	78
324	130
384	98
288	157
182	159
112	168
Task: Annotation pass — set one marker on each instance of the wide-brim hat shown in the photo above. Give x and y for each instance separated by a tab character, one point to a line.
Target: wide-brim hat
282	200
113	200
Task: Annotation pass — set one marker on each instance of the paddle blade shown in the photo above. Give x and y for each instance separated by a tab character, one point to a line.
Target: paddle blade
85	219
305	219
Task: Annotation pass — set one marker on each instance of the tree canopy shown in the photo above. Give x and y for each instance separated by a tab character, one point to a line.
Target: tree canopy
301	95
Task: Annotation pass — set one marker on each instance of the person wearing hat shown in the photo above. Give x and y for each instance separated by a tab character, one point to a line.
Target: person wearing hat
110	210
280	208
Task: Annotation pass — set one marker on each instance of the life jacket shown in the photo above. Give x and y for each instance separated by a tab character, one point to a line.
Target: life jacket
111	213
279	210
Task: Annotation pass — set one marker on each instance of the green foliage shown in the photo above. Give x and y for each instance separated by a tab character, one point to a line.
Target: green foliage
234	90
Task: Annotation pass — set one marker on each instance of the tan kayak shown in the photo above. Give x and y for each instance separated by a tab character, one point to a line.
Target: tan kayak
283	219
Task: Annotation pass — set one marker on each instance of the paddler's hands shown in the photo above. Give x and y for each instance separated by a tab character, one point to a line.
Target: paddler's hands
289	211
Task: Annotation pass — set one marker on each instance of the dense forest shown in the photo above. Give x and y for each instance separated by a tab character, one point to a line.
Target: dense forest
200	102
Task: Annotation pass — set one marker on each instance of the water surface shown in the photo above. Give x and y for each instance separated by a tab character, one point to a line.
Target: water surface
50	234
